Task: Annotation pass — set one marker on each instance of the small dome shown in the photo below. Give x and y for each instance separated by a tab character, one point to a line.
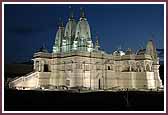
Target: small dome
141	52
118	53
42	49
128	52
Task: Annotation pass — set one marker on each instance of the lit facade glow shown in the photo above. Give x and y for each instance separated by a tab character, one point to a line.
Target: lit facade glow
76	63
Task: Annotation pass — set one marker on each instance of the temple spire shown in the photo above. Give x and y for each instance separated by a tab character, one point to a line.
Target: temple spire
61	23
82	13
71	16
97	46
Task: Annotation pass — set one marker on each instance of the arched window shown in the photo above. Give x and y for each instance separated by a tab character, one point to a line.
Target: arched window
109	68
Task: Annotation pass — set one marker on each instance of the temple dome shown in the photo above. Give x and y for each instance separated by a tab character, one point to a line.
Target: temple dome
83	40
70	28
83	29
58	39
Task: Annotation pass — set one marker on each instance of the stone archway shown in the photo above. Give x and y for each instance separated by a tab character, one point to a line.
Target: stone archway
99	84
99	81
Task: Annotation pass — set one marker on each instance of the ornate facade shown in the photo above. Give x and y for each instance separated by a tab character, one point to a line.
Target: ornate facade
76	63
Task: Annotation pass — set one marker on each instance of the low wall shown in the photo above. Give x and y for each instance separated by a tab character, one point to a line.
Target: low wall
44	78
130	80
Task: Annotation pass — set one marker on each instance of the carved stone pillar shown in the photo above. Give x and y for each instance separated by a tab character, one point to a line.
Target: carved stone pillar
158	81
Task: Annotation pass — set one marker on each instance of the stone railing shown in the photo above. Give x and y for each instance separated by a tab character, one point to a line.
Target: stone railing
33	74
23	78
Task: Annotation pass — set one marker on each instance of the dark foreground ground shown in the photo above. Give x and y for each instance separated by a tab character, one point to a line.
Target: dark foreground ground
95	101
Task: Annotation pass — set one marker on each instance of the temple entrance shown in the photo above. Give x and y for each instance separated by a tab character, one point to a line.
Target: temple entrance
46	68
99	84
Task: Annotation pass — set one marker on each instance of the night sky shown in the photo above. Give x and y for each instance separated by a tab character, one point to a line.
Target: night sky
28	27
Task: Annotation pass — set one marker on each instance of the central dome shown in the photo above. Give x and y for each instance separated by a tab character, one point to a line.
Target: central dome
75	36
83	29
70	27
70	30
83	40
